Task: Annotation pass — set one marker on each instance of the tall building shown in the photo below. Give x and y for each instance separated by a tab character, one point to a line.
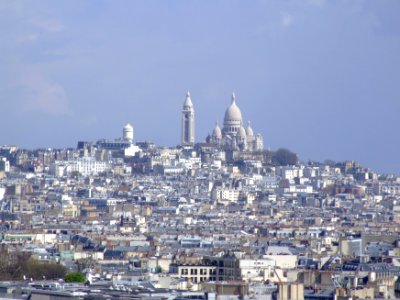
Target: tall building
187	122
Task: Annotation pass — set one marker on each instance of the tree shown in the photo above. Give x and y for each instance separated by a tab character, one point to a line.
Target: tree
37	269
12	265
284	157
75	277
16	265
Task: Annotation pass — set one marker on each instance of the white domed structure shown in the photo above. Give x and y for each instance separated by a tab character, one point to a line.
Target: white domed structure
233	118
249	130
217	133
233	136
242	133
127	133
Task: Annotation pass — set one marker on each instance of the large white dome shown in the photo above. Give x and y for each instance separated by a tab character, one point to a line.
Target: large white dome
233	115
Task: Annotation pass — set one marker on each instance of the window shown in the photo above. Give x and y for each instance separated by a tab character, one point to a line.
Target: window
193	271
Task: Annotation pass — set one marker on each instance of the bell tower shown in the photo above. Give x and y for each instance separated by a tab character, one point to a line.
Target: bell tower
187	137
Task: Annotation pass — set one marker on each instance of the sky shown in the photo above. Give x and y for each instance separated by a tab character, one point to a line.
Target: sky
321	78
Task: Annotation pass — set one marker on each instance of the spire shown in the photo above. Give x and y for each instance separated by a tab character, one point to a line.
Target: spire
188	102
233	97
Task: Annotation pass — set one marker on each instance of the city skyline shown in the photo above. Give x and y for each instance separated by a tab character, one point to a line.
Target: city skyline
317	77
200	149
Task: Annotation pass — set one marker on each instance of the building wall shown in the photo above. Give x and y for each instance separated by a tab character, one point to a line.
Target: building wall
284	261
197	273
289	291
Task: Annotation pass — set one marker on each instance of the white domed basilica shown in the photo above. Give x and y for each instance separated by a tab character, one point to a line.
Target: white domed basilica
233	135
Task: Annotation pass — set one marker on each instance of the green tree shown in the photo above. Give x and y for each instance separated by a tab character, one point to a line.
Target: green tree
75	277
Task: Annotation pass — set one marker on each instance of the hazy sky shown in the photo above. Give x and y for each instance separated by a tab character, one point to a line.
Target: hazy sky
321	78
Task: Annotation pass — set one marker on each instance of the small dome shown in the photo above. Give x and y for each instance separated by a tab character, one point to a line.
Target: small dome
249	130
128	127
233	113
188	102
242	132
127	133
217	132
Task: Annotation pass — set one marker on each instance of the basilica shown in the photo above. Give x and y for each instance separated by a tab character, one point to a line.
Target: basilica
232	136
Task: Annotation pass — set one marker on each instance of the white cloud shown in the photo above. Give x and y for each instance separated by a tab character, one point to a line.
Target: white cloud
38	29
286	20
43	96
